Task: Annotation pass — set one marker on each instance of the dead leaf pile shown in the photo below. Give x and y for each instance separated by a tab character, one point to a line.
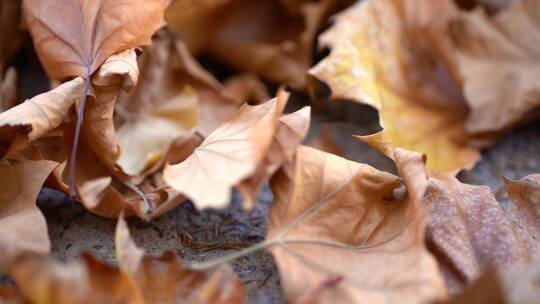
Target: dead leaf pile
153	103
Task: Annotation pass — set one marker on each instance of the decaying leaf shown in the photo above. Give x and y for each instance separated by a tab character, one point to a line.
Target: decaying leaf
22	225
278	45
90	31
469	233
518	284
499	62
394	56
11	38
146	138
336	218
8	89
291	131
139	279
166	68
36	117
229	155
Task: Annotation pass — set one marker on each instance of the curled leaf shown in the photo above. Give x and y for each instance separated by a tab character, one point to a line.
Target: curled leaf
22	225
229	155
378	59
36	117
291	131
90	31
279	46
498	61
336	218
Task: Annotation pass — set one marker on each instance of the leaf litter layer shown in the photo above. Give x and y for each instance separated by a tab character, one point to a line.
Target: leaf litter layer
156	132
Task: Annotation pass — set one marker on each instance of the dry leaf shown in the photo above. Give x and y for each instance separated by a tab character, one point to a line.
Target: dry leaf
11	38
8	90
146	138
393	56
166	68
229	155
499	62
336	218
90	32
36	117
22	225
290	132
140	279
105	195
247	88
469	233
277	46
518	284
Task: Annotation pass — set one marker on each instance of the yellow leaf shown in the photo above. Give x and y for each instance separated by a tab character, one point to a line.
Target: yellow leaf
387	54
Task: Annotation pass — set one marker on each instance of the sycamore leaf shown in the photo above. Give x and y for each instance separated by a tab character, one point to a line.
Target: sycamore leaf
148	137
516	284
469	233
36	117
22	225
167	68
229	155
290	132
8	89
387	54
524	210
104	194
90	32
11	38
336	218
278	45
499	62
166	280
142	280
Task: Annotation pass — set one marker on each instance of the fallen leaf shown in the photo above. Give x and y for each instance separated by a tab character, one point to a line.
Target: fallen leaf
22	225
11	39
247	88
104	194
336	218
167	68
498	61
524	210
232	153
378	59
118	72
147	137
469	233
139	279
290	132
278	46
36	117
516	284
8	90
90	31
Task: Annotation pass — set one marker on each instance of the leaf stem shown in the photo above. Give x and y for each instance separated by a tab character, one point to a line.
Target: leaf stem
76	138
